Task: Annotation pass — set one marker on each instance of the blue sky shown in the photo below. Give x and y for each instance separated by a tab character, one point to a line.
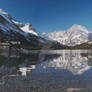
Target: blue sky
50	15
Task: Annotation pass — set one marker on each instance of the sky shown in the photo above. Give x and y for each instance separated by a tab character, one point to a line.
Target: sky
50	15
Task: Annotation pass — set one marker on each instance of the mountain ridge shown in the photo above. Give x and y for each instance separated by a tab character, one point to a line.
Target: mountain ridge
75	35
11	30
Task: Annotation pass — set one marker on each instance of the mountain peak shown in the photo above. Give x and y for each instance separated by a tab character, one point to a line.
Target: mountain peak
28	26
80	28
29	29
5	14
75	35
2	11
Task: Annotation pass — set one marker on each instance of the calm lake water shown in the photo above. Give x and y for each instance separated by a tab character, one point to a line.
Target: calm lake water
46	71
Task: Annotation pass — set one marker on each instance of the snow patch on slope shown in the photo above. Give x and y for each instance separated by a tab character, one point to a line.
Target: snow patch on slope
28	29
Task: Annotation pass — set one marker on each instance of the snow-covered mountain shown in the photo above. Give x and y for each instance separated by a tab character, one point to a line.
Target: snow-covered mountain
11	30
26	27
77	34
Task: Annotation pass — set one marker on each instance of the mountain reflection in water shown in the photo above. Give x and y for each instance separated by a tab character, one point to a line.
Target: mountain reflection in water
46	71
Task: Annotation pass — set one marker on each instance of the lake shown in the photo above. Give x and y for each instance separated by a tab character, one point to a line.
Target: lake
46	71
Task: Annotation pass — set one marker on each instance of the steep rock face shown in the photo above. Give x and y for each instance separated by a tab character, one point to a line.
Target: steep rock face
77	34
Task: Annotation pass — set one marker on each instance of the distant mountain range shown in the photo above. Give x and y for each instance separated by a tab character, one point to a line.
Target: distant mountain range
11	30
75	35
